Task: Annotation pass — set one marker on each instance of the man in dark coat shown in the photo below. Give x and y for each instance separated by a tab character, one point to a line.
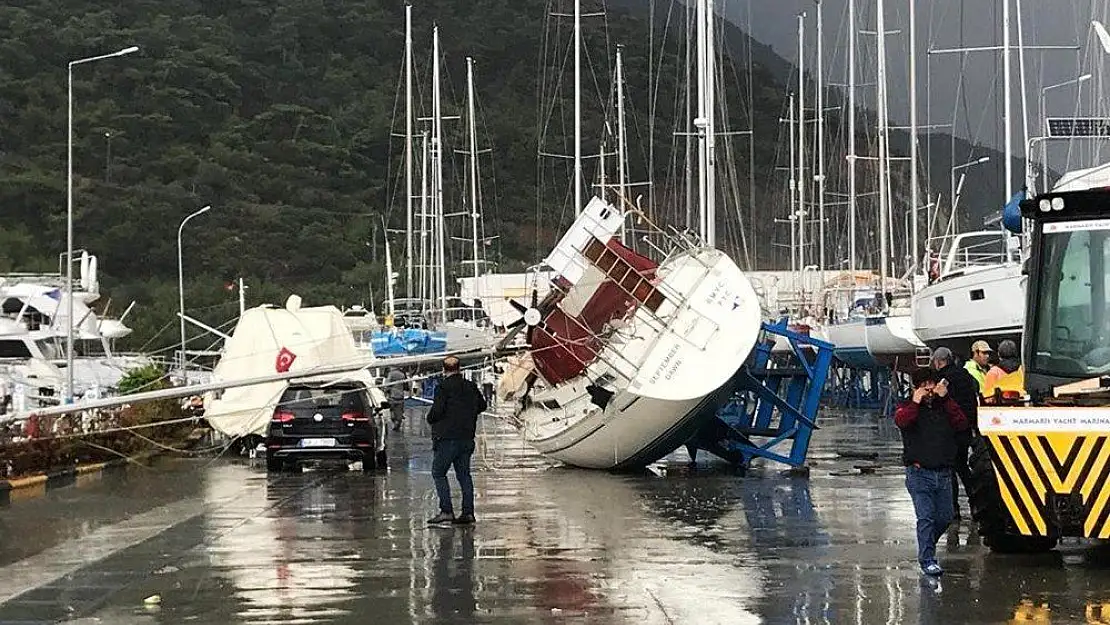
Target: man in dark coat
931	423
454	419
964	389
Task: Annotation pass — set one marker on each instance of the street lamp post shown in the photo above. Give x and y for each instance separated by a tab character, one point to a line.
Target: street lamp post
1044	115
955	188
69	216
181	289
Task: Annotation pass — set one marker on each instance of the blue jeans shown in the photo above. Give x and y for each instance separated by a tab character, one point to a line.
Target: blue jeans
931	491
453	453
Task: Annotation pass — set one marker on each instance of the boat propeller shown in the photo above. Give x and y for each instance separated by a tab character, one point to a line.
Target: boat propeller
531	317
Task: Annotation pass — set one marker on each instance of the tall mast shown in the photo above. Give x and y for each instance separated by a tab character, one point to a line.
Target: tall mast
1007	113
690	11
437	154
388	273
408	149
852	136
1030	179
425	264
820	144
622	146
801	142
474	214
884	250
914	198
577	107
793	190
707	139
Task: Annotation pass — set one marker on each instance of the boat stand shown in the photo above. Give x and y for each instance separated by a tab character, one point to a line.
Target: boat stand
854	388
772	407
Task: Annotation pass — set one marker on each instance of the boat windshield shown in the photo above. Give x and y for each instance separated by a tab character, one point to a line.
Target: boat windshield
1072	323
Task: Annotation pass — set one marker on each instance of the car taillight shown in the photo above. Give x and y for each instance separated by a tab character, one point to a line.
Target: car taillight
282	417
354	416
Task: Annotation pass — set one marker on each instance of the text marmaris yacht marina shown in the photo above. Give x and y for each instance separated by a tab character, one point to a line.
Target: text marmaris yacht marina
628	357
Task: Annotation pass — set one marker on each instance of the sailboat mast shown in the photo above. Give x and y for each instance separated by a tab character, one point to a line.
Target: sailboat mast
408	150
801	142
690	11
1007	112
884	225
388	273
437	155
622	146
577	107
793	190
700	121
915	202
474	214
1030	179
705	125
852	136
821	261
425	282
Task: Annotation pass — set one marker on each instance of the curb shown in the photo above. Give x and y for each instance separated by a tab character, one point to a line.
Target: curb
36	485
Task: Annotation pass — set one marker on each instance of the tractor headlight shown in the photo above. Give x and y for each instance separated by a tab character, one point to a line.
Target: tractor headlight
1044	205
1057	203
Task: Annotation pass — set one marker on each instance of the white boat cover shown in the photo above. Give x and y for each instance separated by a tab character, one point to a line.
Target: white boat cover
1084	179
270	340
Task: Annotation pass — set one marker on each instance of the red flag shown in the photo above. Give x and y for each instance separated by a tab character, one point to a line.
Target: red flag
284	360
230	286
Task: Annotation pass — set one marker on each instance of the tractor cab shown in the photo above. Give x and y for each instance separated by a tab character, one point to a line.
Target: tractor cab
1067	318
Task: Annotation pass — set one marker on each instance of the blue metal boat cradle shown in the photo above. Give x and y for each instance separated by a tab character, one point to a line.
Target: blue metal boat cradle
772	405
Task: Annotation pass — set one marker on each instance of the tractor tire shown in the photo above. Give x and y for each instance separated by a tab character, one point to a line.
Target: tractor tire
989	510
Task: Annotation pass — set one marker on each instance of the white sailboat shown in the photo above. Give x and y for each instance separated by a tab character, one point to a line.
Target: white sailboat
628	357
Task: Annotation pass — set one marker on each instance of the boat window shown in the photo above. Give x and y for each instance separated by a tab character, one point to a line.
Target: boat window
550	404
49	349
14	349
940	301
977	294
1071	332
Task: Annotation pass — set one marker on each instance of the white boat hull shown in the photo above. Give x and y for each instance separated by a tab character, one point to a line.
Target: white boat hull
663	380
986	304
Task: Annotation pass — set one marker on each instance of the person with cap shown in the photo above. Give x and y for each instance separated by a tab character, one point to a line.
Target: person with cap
454	419
980	362
964	390
930	423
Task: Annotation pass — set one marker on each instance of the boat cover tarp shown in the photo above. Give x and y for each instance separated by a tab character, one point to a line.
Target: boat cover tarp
269	340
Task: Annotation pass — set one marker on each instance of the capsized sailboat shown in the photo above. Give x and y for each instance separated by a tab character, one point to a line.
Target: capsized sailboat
628	357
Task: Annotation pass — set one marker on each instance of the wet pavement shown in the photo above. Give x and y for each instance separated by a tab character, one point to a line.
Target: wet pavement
221	542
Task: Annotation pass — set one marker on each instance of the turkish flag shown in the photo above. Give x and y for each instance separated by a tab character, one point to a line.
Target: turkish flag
284	360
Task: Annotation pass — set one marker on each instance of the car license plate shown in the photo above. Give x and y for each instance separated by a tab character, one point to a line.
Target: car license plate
317	442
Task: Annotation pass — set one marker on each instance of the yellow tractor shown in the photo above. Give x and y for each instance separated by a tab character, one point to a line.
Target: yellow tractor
1041	465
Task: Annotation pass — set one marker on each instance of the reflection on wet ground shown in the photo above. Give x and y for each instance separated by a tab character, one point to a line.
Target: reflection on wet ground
221	542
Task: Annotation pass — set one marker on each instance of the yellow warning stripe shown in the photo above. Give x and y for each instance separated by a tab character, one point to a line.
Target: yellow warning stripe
1012	501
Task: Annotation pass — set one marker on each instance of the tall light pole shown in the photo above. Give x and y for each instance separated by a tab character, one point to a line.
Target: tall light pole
956	188
1044	115
69	216
181	288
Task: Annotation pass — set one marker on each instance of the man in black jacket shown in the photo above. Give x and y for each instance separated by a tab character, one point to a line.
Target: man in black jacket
930	423
964	389
454	418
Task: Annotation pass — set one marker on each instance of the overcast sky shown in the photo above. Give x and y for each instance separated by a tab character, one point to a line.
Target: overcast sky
974	104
